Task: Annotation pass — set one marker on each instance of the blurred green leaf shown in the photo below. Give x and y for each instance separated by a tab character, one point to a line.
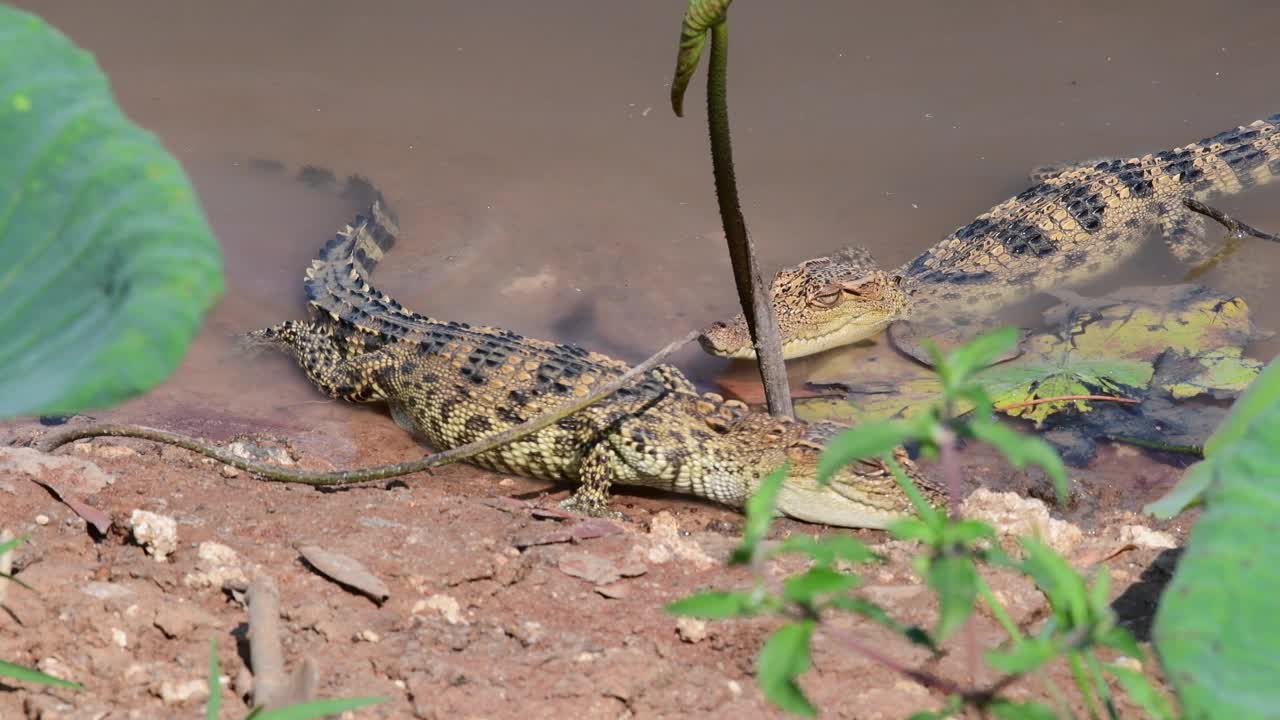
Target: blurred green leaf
955	580
110	262
961	364
1215	628
214	706
715	604
760	509
803	588
868	440
1023	657
33	676
1008	710
784	657
1022	450
315	709
829	549
1140	691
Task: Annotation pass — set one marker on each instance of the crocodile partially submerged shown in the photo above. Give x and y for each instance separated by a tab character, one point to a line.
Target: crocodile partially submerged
450	384
1076	223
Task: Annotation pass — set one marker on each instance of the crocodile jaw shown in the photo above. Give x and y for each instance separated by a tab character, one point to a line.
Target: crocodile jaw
829	508
714	342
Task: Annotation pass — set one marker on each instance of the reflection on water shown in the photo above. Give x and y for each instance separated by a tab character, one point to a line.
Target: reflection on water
544	185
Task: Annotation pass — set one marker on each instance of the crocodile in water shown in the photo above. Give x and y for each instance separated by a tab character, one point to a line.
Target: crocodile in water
1076	223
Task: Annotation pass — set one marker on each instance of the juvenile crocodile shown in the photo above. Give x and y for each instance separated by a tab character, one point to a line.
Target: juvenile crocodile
1077	222
451	383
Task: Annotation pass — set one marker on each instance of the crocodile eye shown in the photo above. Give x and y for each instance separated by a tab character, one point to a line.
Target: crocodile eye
828	296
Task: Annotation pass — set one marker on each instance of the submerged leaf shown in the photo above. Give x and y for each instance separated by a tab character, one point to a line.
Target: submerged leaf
1160	346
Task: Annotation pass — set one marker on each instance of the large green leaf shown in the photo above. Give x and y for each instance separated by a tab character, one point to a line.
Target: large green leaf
1215	629
107	264
1261	396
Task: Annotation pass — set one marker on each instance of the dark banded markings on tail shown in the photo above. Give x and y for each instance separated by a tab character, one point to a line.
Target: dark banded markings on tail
1180	164
1131	175
1085	205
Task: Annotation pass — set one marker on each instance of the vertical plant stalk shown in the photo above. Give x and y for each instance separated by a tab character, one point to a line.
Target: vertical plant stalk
753	296
752	293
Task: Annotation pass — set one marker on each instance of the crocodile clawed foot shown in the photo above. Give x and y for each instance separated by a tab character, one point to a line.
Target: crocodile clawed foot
581	505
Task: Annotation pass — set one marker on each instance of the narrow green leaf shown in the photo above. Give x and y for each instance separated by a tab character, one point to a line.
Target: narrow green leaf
700	16
880	616
1008	710
829	549
816	581
955	579
1121	640
932	516
1062	585
966	531
784	657
1022	450
1023	657
31	675
961	364
1100	592
1141	692
715	604
214	706
915	529
760	510
9	545
317	708
1185	494
868	440
1262	395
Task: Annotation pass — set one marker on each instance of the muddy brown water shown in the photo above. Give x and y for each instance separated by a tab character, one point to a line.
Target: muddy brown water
544	185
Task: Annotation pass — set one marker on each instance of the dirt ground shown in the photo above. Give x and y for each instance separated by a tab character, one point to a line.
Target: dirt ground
493	610
543	185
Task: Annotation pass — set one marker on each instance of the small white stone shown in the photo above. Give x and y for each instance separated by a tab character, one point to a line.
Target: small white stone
158	534
42	519
53	666
176	693
446	605
113	452
735	688
1125	661
1145	537
229	472
368	636
119	637
691	630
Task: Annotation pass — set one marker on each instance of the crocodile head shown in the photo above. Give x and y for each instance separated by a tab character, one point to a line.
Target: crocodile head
862	494
820	304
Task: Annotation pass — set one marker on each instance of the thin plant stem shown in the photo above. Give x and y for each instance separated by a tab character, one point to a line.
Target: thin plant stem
757	307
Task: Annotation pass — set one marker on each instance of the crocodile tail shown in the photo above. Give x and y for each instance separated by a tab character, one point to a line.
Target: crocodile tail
337	282
1228	163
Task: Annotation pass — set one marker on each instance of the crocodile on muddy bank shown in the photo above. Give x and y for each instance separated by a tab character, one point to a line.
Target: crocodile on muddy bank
1078	222
451	383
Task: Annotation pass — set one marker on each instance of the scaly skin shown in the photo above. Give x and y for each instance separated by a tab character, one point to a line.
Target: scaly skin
451	383
1076	223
